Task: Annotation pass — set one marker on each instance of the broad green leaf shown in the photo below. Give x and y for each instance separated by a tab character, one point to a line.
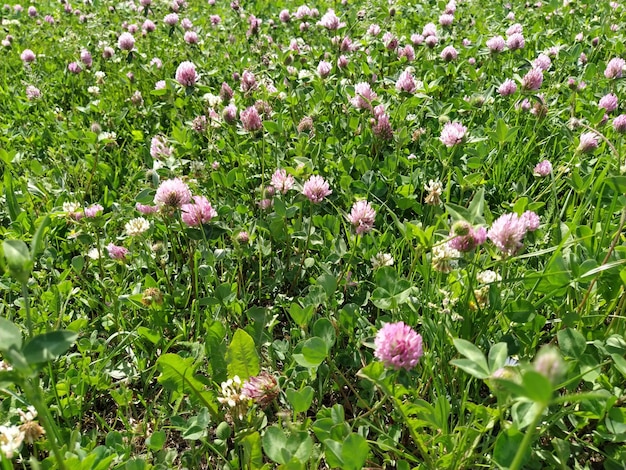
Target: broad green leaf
252	450
10	335
507	443
156	440
620	364
571	342
520	311
471	352
300	400
537	387
497	356
241	356
274	441
354	452
48	346
477	370
313	352
302	316
324	329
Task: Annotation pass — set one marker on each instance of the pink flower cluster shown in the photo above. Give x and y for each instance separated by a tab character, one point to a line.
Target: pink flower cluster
508	231
466	237
398	346
316	188
362	217
453	134
199	212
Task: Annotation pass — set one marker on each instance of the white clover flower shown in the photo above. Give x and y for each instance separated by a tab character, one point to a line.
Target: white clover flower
11	438
212	100
71	207
136	226
381	259
94	90
488	276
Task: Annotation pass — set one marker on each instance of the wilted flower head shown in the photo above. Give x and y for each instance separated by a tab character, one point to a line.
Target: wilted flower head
435	189
543	168
398	346
262	389
186	74
453	134
588	142
172	193
198	213
614	68
608	102
316	189
362	217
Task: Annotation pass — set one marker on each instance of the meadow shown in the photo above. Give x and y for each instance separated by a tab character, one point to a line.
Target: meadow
342	234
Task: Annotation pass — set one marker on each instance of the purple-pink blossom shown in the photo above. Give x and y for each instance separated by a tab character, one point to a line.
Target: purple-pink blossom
172	193
250	119
281	181
543	168
398	346
533	79
186	74
465	237
495	44
608	102
316	189
614	68
197	213
363	96
508	87
126	42
362	217
406	82
453	134
508	231
116	252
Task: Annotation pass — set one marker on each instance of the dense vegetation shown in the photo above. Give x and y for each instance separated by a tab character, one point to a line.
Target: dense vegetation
349	234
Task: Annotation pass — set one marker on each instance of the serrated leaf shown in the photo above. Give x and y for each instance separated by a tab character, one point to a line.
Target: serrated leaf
241	356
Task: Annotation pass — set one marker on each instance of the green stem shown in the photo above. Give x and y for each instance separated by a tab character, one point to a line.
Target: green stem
29	321
33	394
521	450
